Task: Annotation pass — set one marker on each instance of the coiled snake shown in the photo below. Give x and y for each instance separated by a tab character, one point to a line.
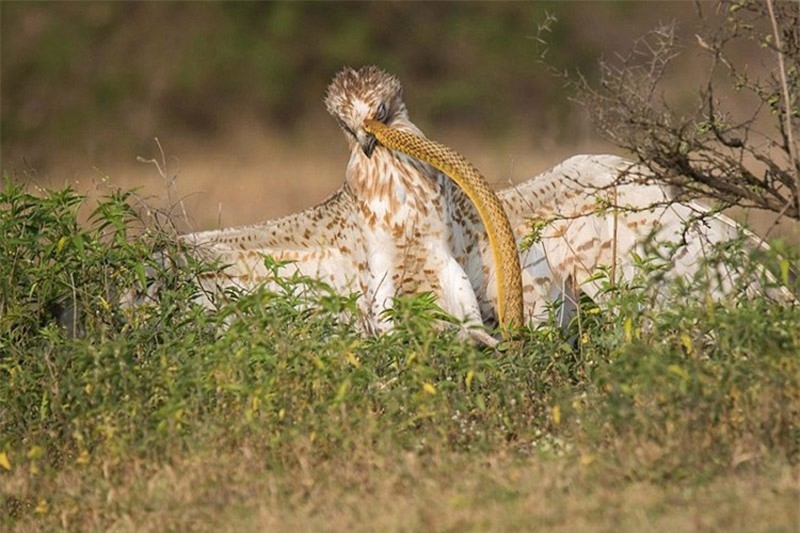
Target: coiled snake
488	205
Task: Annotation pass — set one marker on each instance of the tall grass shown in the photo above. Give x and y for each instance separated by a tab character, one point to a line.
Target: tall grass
686	393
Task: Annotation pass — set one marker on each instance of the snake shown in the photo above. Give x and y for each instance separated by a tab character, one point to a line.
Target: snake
486	202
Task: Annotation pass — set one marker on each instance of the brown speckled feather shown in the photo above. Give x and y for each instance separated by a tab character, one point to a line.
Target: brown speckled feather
399	227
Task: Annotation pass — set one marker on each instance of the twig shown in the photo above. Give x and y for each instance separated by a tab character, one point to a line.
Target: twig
787	115
614	242
777	220
170	182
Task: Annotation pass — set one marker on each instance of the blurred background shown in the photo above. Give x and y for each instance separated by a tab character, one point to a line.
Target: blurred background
233	91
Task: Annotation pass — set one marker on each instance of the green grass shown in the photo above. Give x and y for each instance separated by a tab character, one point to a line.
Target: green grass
274	413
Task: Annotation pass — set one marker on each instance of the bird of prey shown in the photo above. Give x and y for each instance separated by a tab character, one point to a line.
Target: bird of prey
385	233
397	226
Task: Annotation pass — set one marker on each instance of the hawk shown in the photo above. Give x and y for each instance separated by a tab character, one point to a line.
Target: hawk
397	226
385	233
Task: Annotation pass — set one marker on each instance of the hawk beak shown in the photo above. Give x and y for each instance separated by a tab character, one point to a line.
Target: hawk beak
368	143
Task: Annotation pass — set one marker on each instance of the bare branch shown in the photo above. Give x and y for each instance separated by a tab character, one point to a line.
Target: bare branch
705	151
792	148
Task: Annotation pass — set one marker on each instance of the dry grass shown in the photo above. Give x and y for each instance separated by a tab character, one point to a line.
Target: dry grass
249	174
235	491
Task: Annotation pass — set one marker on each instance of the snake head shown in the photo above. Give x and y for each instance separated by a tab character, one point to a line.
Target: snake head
369	129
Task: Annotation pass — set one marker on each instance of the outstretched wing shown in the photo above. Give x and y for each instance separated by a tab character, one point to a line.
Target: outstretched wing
320	242
595	210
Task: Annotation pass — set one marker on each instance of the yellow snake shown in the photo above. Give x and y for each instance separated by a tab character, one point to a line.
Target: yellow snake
490	209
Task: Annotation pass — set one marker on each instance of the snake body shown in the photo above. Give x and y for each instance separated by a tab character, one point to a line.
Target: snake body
488	205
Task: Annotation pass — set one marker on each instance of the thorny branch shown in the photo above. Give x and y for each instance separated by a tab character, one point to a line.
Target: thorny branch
705	151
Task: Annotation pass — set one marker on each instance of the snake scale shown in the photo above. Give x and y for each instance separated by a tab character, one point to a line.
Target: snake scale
488	205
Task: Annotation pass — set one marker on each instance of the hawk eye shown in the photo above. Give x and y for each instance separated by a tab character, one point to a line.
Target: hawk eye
344	126
381	114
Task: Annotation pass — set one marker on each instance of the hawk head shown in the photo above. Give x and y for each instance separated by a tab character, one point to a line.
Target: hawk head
356	95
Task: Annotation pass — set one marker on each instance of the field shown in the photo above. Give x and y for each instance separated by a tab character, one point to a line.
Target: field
275	413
